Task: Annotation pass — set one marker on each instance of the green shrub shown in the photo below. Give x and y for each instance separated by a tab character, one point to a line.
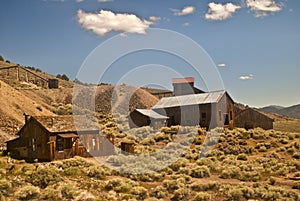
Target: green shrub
5	186
73	171
139	192
159	192
52	194
96	172
253	176
181	194
172	185
2	198
181	162
235	194
272	181
230	172
44	176
28	193
200	186
68	191
209	162
296	185
242	157
296	155
74	162
200	172
120	186
85	196
202	196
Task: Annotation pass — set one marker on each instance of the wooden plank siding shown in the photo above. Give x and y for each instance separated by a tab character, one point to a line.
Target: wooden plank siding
36	142
250	118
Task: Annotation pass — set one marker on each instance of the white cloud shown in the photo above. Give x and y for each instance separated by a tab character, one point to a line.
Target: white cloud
106	21
185	11
261	8
186	24
102	1
79	1
154	19
222	65
218	11
124	35
246	77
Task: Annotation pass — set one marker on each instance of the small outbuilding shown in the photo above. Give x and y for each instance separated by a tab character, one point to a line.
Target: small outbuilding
53	83
144	117
49	138
249	118
209	110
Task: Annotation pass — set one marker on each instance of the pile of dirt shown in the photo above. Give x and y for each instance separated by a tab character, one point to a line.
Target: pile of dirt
113	99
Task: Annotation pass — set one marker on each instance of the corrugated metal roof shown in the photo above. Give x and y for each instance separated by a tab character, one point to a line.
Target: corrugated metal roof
192	99
151	114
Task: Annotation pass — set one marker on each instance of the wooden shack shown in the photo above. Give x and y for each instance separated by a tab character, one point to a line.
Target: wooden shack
249	118
127	147
144	117
49	138
209	110
53	83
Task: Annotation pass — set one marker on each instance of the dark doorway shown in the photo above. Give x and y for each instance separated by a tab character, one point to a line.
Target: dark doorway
226	119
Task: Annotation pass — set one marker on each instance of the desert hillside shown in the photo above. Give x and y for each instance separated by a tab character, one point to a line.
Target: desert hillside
13	105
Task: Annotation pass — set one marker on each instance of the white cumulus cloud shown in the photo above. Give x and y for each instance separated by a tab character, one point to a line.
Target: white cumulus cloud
186	24
246	77
185	11
106	21
154	19
222	65
261	8
218	11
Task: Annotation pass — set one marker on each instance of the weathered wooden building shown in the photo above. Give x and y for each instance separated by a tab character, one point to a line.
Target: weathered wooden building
209	110
48	138
249	118
144	117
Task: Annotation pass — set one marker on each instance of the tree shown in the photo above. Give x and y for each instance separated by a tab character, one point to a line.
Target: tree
1	58
65	77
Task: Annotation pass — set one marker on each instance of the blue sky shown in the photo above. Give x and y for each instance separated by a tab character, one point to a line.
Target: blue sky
254	43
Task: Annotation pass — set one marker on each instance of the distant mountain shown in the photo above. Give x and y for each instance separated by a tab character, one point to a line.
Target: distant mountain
271	108
292	111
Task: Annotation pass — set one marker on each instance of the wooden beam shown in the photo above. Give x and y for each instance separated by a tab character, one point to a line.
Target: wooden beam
34	74
9	67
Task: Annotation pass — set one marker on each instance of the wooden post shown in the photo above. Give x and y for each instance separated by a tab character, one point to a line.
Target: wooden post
18	74
26	76
76	147
51	145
